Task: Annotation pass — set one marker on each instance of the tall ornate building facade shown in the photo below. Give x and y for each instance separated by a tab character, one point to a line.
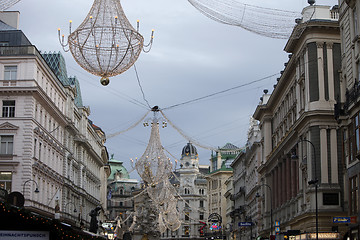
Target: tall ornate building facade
246	186
120	195
302	163
48	142
218	191
348	107
191	185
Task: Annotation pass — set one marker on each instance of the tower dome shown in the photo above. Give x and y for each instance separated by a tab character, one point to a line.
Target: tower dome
118	171
189	150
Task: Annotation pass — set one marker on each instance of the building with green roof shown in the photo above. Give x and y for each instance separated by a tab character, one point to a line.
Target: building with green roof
120	191
223	157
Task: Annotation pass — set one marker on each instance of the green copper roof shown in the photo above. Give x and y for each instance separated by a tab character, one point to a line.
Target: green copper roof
75	83
57	64
117	169
229	146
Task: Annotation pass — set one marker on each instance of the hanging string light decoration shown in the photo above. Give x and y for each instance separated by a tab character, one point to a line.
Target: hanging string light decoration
105	44
154	166
155	169
169	217
192	140
273	23
5	4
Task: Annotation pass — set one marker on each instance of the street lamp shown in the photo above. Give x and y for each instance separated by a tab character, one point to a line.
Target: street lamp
72	204
271	206
314	182
30	180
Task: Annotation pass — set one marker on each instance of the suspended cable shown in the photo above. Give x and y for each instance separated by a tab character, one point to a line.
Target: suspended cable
129	128
196	142
142	91
117	93
186	136
217	93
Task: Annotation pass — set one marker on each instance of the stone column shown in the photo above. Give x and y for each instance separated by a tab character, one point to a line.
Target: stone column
323	157
320	63
330	68
276	183
282	182
334	157
267	136
292	177
288	179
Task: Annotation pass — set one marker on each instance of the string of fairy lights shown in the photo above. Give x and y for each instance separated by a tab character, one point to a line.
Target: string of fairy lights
112	46
268	22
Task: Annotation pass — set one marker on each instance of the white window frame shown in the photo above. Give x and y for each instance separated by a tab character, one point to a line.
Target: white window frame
5	182
6	144
8	110
10	72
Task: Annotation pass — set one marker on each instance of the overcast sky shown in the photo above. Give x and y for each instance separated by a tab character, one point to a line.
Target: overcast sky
192	56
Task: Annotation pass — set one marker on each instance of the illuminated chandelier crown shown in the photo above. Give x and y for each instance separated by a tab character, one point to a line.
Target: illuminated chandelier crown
105	44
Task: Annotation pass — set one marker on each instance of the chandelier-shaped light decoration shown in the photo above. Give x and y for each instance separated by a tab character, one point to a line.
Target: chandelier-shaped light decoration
5	4
105	44
154	166
169	216
268	22
155	169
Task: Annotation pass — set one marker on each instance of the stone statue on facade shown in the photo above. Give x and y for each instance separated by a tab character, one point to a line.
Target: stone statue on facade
94	222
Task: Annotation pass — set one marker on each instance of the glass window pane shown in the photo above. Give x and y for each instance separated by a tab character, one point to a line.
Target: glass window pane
10	148
5	112
8	108
5	175
10	72
6	146
5	180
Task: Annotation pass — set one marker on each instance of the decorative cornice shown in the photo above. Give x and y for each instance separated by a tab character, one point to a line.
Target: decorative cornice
7	127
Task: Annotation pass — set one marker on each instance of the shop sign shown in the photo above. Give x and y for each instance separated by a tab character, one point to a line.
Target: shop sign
329	235
245	224
23	235
341	220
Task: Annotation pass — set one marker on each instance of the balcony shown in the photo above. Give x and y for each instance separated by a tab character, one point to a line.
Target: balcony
352	97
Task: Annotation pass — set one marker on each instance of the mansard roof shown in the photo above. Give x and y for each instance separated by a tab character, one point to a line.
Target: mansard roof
5	27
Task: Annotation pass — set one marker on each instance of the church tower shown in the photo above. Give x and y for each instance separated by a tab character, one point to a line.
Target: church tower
189	169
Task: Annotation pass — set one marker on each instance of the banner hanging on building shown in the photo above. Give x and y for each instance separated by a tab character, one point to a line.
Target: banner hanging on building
23	235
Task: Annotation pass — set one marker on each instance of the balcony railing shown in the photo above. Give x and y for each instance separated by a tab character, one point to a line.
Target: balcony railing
19	50
352	96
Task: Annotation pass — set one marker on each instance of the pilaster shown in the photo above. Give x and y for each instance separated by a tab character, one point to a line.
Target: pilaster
330	69
320	63
334	157
323	156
